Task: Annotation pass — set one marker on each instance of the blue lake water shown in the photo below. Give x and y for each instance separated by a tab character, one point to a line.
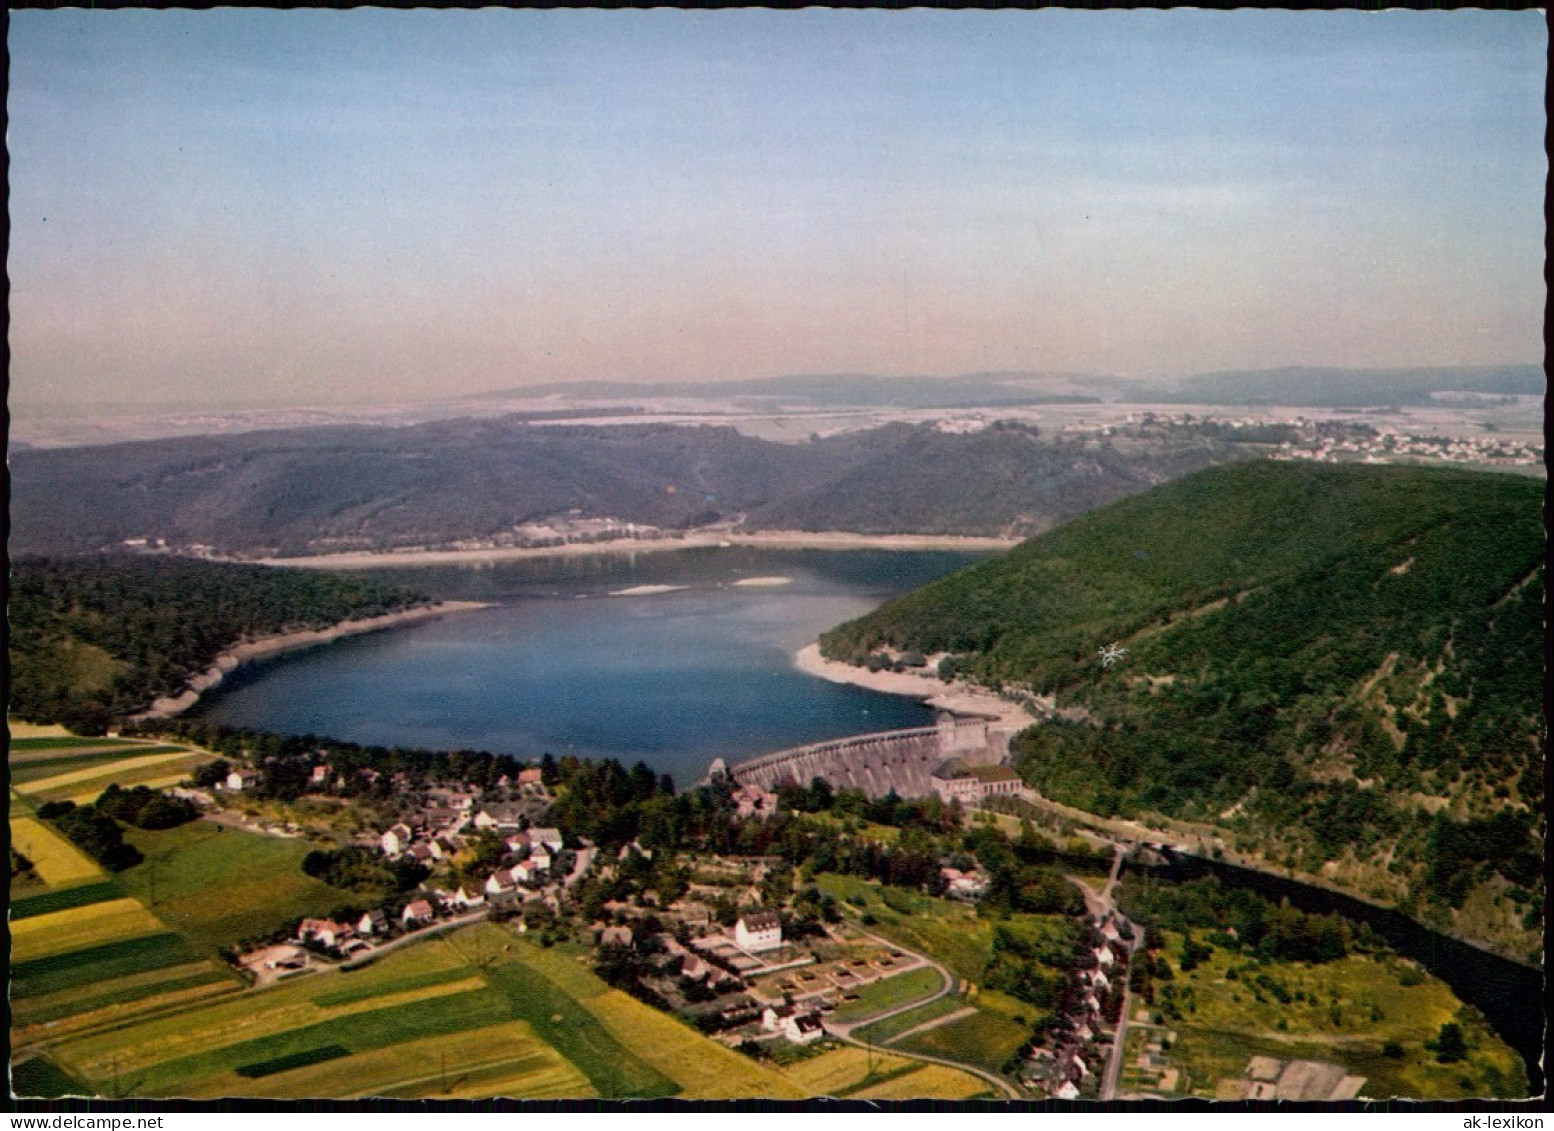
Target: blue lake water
559	664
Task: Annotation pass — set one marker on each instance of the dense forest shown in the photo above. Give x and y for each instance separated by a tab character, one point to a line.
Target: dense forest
95	639
319	490
1340	664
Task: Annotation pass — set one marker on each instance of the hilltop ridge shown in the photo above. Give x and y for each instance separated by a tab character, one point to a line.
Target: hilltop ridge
1337	667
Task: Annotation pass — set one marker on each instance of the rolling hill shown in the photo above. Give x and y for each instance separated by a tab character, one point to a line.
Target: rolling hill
316	490
1338	666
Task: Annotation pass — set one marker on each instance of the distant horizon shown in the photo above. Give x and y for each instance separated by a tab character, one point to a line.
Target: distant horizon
25	410
315	208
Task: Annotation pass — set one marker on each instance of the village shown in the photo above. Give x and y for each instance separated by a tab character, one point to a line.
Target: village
736	951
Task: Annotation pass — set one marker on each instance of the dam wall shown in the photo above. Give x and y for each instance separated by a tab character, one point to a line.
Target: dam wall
900	760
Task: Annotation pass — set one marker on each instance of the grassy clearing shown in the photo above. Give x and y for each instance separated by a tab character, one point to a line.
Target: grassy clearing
985	1039
931	1082
80	927
888	993
56	860
882	1031
27	739
64	899
704	1069
118	769
1345	1012
98	964
220	885
843	1069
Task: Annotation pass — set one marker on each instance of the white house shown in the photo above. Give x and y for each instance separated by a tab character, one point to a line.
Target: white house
1066	1091
540	857
803	1028
239	780
757	931
396	840
373	922
418	912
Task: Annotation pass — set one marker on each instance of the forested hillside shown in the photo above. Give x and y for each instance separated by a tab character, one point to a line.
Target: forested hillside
309	491
92	639
1339	665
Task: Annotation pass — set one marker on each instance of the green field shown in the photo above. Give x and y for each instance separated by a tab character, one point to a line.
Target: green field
63	899
1344	1011
221	885
986	1039
888	993
880	1032
99	963
39	769
37	1076
67	742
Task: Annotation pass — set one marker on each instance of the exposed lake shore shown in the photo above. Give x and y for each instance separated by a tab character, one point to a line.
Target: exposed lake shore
957	698
169	706
766	539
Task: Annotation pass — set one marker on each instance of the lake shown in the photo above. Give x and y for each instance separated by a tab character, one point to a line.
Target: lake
674	678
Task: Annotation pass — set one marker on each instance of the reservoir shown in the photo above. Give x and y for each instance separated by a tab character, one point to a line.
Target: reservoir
671	658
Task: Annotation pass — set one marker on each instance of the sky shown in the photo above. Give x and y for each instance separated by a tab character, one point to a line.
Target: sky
244	207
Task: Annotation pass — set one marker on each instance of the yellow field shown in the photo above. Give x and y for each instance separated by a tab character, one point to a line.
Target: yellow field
107	772
230	1023
931	1082
57	861
80	927
33	730
705	1069
479	1062
831	1072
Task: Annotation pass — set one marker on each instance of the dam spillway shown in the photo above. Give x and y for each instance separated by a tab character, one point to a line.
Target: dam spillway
876	764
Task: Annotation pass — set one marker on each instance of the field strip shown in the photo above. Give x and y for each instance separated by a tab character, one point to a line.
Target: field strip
116	1015
932	1082
44	785
703	1068
77	927
56	860
22	754
415	1068
232	1023
94	792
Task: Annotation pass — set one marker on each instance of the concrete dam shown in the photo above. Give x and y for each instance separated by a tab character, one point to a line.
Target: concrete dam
900	760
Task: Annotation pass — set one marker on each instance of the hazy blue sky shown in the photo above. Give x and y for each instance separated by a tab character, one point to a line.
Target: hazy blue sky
311	206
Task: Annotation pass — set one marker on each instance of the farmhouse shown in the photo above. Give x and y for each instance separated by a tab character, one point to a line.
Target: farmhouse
325	932
419	911
756	931
373	922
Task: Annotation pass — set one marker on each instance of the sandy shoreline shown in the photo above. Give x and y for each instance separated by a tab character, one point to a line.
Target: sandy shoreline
168	706
959	698
770	540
